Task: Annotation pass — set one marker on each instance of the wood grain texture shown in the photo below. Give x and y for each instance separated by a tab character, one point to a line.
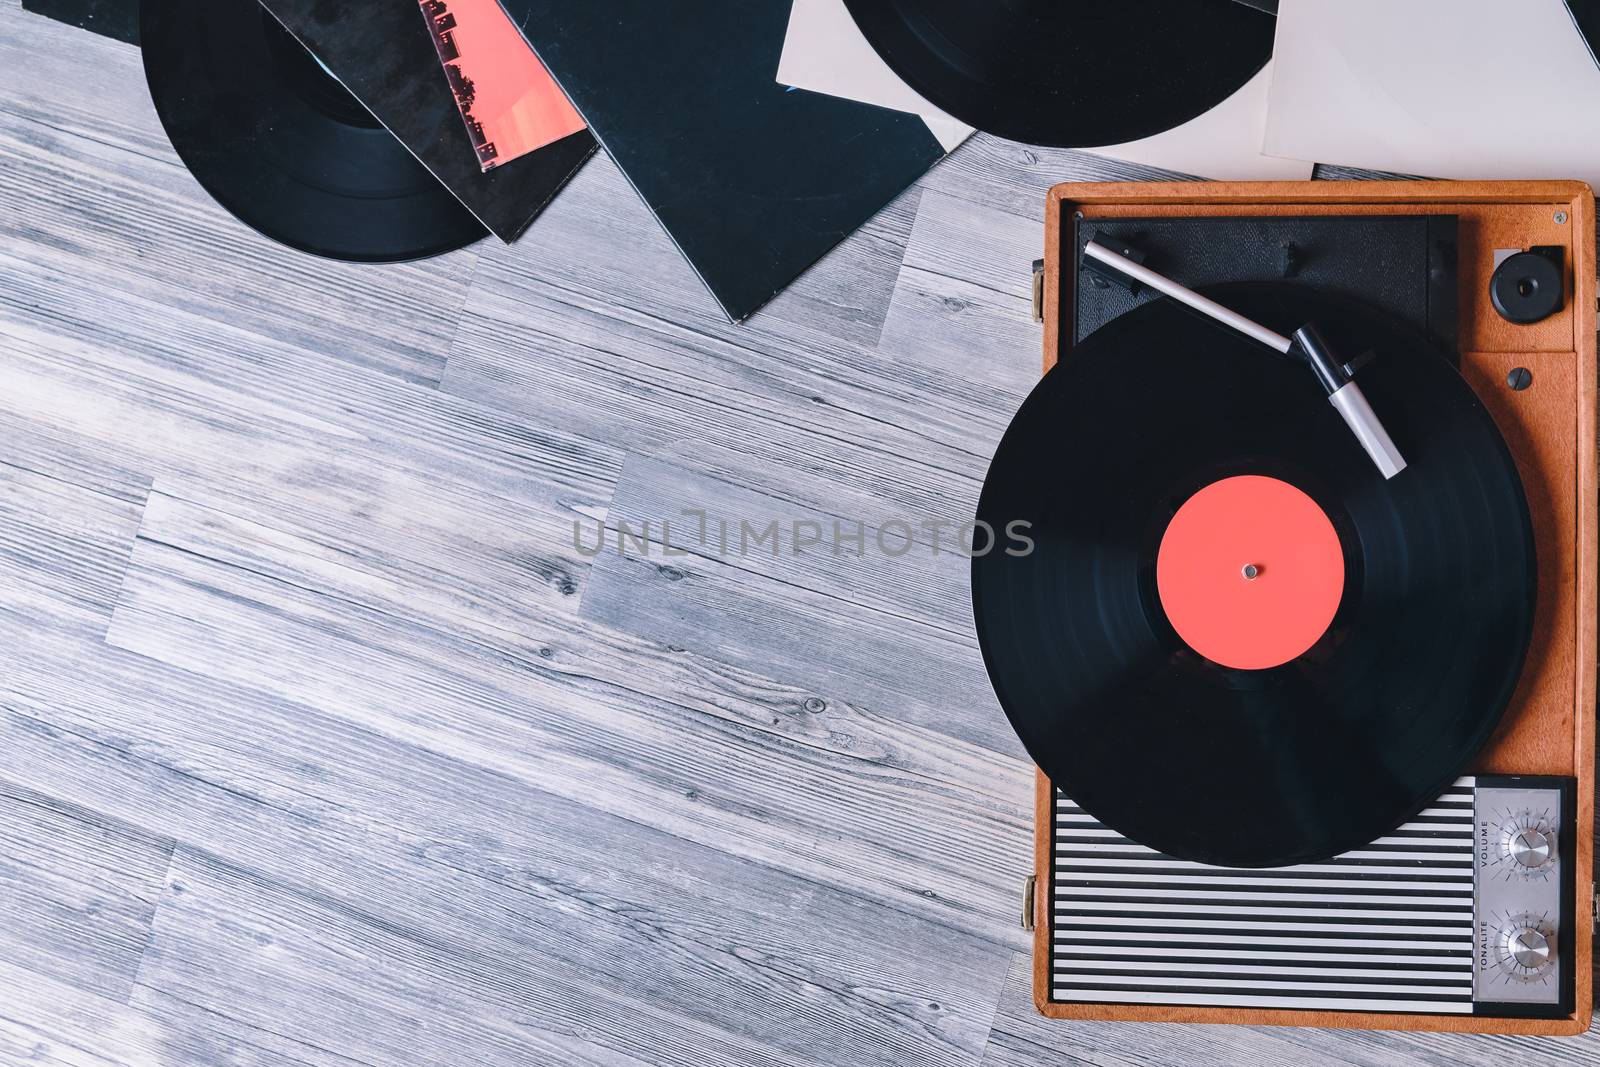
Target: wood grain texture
962	311
904	644
46	1022
567	709
323	745
66	527
571	899
798	410
78	891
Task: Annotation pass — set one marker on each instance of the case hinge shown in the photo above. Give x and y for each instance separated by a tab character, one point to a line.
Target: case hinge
1038	290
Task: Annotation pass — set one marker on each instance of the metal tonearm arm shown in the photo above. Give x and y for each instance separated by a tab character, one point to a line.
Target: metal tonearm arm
1307	343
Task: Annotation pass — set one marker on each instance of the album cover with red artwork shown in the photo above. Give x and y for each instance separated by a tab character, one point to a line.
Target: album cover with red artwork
510	103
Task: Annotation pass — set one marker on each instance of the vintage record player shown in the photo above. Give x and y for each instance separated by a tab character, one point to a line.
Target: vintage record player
1370	803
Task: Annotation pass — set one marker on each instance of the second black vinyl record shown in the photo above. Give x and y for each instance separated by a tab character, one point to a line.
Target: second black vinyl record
1272	763
282	145
1070	75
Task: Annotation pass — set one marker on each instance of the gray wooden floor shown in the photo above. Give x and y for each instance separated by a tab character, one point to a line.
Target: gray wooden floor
322	743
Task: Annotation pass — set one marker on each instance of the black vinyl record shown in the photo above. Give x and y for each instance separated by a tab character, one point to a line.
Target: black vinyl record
1340	744
1070	75
282	145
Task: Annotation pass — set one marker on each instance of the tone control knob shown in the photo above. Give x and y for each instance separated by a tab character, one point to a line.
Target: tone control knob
1527	949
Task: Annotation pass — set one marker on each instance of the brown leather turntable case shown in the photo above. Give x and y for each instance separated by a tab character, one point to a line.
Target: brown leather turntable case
1550	427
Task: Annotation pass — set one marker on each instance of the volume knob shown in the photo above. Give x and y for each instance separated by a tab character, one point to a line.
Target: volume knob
1529	848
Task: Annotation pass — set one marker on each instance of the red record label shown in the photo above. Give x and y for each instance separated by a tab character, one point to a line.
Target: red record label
1250	572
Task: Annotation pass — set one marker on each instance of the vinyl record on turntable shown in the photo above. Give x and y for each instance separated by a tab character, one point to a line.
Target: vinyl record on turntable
282	145
1233	641
1071	75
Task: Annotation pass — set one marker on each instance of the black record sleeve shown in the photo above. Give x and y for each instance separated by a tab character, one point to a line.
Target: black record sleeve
384	55
754	181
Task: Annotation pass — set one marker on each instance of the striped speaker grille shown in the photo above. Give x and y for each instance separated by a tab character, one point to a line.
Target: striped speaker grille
1387	927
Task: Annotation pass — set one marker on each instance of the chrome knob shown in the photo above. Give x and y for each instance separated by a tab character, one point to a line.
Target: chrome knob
1530	848
1529	948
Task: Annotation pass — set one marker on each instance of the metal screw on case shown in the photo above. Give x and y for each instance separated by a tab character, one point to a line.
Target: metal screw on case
1519	378
1560	218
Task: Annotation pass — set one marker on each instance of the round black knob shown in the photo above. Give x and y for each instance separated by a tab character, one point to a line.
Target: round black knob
1527	287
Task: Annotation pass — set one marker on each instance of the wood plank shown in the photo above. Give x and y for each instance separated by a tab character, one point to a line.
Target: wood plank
300	439
894	565
999	174
50	1023
46	1022
77	891
613	348
361	986
186	1034
648	936
66	527
889	629
963	306
197	390
716	755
